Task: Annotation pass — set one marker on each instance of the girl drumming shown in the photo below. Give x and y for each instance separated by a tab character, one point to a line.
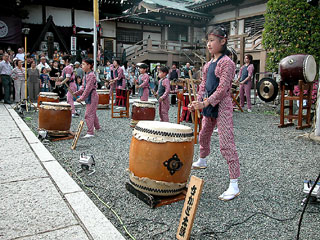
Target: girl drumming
89	95
215	100
143	82
163	94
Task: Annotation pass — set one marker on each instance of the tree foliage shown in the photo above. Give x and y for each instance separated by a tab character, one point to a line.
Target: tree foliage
291	27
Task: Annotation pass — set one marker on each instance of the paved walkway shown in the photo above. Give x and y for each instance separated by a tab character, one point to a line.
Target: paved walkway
38	199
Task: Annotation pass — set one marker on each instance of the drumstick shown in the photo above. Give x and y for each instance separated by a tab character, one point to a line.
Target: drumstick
194	92
72	93
190	98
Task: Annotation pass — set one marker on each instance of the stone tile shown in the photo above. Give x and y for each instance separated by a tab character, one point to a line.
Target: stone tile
43	210
31	138
63	180
42	152
7	133
13	147
21	167
69	233
94	221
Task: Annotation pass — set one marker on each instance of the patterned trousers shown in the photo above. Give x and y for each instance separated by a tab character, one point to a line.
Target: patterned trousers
245	90
90	116
164	109
73	88
226	137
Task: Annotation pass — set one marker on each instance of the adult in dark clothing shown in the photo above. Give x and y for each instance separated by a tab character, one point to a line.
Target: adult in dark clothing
5	77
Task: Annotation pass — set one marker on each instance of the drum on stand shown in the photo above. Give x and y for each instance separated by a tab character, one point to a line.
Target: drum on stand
298	67
55	118
160	157
142	110
47	97
104	98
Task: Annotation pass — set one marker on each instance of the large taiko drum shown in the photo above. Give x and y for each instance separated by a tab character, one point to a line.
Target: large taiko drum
160	157
104	98
142	110
55	118
47	97
298	67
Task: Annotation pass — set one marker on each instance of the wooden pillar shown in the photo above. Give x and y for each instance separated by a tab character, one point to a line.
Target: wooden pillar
263	60
242	49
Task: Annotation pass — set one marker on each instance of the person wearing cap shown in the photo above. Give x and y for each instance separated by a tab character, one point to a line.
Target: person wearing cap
143	82
43	64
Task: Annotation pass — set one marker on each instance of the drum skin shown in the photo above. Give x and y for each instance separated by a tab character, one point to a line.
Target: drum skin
55	120
43	98
143	113
148	160
104	98
293	68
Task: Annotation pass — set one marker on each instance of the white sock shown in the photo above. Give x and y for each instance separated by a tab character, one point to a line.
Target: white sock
233	186
202	160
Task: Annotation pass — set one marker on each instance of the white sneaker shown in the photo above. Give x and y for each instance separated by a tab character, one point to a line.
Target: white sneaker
88	136
216	130
200	164
249	110
74	115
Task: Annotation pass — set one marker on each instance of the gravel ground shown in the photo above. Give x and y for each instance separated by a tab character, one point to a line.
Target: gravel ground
274	163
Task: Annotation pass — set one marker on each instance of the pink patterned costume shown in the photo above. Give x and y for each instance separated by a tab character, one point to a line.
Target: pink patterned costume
164	104
225	70
143	82
89	95
67	72
245	89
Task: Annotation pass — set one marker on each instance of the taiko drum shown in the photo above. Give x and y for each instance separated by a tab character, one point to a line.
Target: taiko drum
55	118
298	67
142	110
160	157
104	98
47	97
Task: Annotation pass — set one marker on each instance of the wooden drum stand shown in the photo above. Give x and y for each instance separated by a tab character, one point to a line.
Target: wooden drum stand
290	97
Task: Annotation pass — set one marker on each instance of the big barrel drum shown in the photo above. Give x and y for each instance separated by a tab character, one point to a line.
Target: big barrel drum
160	157
47	97
298	67
104	98
142	110
55	118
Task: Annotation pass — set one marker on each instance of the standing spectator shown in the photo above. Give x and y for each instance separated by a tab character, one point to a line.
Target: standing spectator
44	80
54	74
20	54
155	75
118	80
5	77
33	82
43	63
173	75
186	70
56	55
78	71
107	71
18	75
245	79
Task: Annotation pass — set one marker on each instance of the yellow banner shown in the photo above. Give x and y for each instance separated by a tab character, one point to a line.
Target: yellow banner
96	11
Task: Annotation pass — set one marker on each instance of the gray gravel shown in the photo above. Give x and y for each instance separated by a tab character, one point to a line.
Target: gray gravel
274	163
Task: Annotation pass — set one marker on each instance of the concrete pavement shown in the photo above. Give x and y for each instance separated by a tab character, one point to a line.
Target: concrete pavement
39	200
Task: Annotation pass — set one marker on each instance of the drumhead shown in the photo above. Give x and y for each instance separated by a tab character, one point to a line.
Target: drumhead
139	103
102	91
309	68
52	94
161	132
54	104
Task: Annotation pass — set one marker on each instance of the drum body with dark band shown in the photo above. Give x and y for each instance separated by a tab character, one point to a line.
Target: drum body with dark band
142	110
47	97
55	118
160	157
104	98
297	67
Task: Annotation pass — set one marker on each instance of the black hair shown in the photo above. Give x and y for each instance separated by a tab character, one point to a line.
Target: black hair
118	61
66	58
164	69
221	33
88	61
249	56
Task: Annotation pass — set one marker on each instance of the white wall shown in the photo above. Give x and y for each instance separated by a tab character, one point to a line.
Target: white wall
83	19
252	10
61	16
35	14
109	29
154	36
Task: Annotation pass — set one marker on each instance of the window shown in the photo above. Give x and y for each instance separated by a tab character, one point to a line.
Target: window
174	33
253	25
128	35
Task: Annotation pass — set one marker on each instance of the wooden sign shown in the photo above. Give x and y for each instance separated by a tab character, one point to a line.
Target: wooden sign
76	137
190	207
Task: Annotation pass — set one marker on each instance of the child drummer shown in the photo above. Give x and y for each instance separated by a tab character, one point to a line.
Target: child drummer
143	82
163	94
